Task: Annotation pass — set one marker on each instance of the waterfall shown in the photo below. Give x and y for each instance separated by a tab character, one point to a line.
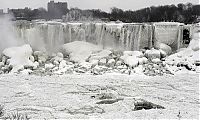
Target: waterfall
129	36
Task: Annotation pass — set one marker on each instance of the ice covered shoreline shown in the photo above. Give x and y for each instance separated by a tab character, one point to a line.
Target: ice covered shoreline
75	96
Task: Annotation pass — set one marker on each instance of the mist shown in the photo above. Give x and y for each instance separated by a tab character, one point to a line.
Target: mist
8	36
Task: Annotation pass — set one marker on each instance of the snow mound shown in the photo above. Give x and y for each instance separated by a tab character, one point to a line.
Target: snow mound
19	57
79	51
133	58
188	56
194	43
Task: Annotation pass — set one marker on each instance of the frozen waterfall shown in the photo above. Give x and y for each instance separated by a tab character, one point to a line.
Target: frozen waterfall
126	36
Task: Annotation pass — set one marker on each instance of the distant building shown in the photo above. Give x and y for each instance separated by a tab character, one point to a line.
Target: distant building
57	10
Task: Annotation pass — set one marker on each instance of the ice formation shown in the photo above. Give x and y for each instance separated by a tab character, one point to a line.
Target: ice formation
122	36
98	48
189	56
18	57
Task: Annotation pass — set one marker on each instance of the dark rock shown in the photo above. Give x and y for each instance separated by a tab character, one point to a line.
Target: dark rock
111	101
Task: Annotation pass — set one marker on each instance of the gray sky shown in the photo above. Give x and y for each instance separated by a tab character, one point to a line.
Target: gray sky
90	4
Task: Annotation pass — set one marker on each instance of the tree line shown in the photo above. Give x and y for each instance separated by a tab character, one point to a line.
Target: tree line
184	13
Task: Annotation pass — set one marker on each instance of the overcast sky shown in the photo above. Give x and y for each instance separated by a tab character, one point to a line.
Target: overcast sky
90	4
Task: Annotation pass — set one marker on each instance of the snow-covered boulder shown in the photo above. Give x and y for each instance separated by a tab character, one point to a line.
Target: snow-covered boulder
94	62
62	64
132	58
133	53
163	54
60	55
40	56
49	66
1	64
99	55
156	60
79	51
142	60
26	72
36	64
57	58
85	65
167	49
111	63
19	56
131	61
4	59
139	69
152	54
32	58
119	63
102	61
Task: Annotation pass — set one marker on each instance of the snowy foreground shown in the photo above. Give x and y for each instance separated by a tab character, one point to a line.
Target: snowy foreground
102	96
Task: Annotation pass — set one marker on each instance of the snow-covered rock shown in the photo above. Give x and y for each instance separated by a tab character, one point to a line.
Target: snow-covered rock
184	56
132	58
60	55
1	64
62	64
86	65
26	71
156	60
138	70
133	53
100	55
19	56
40	56
57	58
152	54
119	63
97	70
32	58
94	62
111	63
79	51
163	54
49	66
36	64
167	49
131	61
142	60
4	59
102	61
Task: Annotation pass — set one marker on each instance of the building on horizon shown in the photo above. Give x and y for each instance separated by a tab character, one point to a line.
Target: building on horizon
57	10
